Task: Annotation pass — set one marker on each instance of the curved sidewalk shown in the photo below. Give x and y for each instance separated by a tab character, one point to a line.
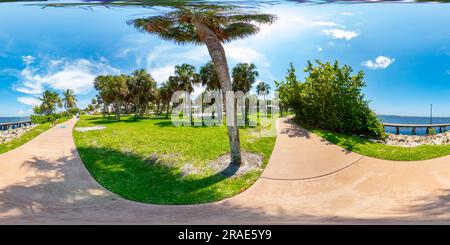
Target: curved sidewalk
307	180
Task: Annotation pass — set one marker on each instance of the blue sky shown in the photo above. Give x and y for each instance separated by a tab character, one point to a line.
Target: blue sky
404	49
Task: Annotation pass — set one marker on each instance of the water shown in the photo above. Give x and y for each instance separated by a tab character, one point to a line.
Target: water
411	120
13	119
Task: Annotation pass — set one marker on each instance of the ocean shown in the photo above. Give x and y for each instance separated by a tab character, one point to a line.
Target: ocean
411	120
13	119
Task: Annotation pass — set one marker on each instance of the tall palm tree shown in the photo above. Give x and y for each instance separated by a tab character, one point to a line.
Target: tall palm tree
185	78
165	93
50	101
211	26
244	76
69	99
104	94
118	90
209	77
263	89
141	88
210	80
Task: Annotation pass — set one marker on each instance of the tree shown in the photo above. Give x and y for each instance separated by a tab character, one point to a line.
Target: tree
244	76
165	94
263	89
211	26
141	88
118	90
185	77
330	98
50	102
209	77
289	90
210	80
104	94
90	108
69	99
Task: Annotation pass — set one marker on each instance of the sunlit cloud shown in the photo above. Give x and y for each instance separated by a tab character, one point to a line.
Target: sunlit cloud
61	74
323	23
161	74
31	101
347	13
381	62
341	34
28	60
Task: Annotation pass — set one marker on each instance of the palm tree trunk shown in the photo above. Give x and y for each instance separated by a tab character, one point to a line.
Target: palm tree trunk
219	59
136	110
167	110
118	110
104	110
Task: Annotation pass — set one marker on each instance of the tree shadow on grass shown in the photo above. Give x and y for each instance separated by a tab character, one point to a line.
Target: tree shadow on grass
153	180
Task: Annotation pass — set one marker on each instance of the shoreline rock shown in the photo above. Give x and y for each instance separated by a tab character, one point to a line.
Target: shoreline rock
12	134
415	140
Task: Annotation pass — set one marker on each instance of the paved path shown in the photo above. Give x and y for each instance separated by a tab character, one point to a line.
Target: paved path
307	180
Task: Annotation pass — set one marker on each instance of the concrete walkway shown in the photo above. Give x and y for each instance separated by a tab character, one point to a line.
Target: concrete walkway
307	180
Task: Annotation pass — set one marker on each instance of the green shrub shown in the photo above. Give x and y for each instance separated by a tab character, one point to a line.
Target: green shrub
330	98
41	119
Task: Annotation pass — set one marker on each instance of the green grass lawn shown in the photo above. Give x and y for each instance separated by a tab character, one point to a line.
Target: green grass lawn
381	151
144	160
27	136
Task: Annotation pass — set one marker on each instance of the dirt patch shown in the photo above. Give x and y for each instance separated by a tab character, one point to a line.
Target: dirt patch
85	129
250	162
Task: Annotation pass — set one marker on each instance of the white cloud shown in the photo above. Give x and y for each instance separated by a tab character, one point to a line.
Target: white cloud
62	74
31	101
347	13
319	49
161	74
323	23
28	60
341	34
381	62
246	55
297	19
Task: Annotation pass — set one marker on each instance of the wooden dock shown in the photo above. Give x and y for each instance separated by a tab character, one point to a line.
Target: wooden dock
442	127
13	125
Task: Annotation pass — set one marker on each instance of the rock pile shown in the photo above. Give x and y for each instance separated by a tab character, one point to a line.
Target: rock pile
416	140
11	134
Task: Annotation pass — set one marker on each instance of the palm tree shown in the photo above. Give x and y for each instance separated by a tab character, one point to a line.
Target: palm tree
244	76
263	89
208	77
165	94
69	99
50	101
210	80
104	95
185	77
141	88
211	26
117	87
